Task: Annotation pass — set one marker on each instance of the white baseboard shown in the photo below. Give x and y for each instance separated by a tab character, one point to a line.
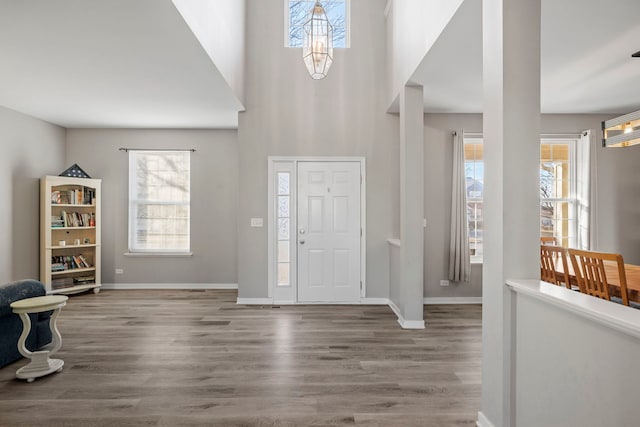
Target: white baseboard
374	301
452	300
483	421
125	286
255	301
269	301
406	324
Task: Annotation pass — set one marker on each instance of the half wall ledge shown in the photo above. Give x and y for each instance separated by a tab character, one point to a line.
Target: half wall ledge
615	316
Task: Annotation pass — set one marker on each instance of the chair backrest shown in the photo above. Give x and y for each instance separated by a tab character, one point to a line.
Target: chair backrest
550	256
548	240
590	273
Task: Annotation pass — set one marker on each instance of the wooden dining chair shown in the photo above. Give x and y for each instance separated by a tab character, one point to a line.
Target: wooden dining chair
548	240
550	256
588	267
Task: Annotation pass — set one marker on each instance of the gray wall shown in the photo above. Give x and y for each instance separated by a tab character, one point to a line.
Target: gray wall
616	206
578	374
214	192
289	114
438	153
31	148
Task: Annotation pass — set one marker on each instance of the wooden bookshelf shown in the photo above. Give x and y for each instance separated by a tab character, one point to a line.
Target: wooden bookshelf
70	238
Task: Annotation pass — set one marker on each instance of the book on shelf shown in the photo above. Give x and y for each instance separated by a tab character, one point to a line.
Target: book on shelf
62	282
67	282
89	194
73	219
56	197
84	261
84	280
57	222
75	196
57	266
68	262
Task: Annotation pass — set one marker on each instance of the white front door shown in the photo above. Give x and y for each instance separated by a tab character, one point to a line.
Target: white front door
328	231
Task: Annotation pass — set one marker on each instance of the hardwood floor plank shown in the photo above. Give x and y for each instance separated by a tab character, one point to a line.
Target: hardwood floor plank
196	358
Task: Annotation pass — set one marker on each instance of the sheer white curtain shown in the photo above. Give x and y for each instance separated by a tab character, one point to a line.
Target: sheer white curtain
459	261
584	171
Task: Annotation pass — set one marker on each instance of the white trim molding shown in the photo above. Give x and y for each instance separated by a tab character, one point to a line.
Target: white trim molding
374	301
159	254
255	301
613	316
406	324
483	421
126	286
289	164
452	300
269	301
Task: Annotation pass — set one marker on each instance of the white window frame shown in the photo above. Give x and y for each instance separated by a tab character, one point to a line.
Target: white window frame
570	139
133	176
475	138
573	193
347	25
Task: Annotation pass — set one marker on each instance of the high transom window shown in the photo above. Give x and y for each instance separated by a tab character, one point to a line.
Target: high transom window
297	13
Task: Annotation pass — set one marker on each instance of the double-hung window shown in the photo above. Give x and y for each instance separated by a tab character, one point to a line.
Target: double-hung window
474	182
159	201
558	195
558	200
297	13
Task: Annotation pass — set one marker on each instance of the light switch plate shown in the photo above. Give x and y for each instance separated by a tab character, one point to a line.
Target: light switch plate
256	222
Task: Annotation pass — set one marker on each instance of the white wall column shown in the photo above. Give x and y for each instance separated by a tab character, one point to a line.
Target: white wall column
412	205
511	73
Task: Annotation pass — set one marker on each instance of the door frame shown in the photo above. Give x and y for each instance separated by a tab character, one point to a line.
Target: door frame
289	295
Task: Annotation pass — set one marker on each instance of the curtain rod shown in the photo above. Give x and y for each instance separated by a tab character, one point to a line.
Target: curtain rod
468	134
126	150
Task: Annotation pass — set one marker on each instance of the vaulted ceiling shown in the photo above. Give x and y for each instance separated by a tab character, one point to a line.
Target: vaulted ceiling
115	63
586	63
122	63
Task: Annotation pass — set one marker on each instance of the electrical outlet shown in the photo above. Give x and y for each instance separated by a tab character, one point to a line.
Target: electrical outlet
119	271
444	283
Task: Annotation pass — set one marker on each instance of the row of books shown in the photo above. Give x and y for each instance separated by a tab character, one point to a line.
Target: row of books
67	282
68	262
73	219
78	196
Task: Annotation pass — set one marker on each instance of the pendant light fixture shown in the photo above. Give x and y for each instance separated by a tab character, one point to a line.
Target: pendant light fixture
622	131
317	47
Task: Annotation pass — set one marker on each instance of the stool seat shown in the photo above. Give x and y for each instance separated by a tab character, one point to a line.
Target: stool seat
39	304
41	363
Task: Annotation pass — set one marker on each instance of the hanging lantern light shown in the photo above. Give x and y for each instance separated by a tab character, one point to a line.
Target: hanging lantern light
317	48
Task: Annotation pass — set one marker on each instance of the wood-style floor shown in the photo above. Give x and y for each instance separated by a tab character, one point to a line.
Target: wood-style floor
195	358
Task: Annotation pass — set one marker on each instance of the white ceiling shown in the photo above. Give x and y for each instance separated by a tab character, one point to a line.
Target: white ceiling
123	63
586	62
109	63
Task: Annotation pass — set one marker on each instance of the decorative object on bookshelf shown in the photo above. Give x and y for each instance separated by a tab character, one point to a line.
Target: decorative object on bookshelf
75	171
70	234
